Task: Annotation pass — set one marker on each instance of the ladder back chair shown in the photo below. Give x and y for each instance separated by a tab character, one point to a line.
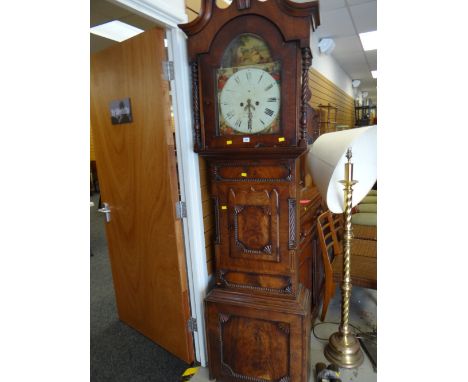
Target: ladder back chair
363	258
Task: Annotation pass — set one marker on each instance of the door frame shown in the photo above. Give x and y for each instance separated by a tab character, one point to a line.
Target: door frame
188	166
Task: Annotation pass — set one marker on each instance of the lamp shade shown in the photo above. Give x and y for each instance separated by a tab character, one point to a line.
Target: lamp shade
326	162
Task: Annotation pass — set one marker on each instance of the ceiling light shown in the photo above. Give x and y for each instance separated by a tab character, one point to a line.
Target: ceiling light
116	30
356	83
374	73
326	45
369	40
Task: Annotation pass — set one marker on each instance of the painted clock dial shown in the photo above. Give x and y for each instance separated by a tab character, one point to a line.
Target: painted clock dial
250	101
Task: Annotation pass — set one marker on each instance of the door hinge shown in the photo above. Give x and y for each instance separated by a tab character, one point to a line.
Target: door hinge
168	70
181	210
192	324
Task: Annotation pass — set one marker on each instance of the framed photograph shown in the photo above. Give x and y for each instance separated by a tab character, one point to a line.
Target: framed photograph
121	111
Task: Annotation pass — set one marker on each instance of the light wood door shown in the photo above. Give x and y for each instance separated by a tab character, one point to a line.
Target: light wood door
138	178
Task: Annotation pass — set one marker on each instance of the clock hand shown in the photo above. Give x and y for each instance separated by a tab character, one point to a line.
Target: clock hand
249	107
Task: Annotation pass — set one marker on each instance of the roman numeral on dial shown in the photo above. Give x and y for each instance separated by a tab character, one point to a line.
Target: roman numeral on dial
269	112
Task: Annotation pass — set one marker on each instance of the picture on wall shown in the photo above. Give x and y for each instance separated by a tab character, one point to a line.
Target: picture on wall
121	111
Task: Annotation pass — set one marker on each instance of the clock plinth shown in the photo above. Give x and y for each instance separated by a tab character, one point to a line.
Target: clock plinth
250	66
256	339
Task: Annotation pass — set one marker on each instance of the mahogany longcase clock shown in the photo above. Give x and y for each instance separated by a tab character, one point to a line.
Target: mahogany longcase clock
250	64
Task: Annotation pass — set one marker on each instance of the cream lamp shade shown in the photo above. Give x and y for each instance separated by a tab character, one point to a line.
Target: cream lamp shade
326	162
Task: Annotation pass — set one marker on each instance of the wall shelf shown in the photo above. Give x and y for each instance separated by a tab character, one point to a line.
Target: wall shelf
365	115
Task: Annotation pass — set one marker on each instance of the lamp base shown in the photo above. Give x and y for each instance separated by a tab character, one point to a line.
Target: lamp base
344	350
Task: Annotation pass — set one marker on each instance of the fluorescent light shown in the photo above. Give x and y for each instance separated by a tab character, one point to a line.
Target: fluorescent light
116	30
369	40
374	73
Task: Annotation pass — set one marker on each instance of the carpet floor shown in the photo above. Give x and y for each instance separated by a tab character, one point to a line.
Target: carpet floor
118	352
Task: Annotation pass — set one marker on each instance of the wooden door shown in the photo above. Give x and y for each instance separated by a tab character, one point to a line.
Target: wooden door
137	172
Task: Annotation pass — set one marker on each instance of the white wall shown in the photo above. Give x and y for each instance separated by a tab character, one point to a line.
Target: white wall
327	66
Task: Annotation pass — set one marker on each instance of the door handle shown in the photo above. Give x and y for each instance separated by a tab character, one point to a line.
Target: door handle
106	210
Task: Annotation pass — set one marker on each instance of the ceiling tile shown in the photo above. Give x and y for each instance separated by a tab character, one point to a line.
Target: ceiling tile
355	2
371	59
101	11
350	59
354	65
360	74
345	45
336	23
139	22
365	16
368	83
328	5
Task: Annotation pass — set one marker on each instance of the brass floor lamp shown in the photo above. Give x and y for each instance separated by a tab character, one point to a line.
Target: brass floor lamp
332	157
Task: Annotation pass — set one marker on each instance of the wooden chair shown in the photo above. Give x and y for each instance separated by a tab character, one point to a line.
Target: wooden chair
363	258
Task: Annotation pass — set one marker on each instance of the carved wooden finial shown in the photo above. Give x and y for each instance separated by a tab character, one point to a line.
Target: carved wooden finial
243	4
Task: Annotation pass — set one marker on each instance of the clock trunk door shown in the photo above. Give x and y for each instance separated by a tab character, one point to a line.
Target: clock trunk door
138	178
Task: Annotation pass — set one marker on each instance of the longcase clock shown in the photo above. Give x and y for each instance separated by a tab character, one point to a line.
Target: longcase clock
250	64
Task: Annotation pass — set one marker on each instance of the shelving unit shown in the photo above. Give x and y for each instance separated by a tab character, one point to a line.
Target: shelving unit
365	115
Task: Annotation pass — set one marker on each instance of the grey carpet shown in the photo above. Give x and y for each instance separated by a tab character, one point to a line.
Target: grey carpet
118	352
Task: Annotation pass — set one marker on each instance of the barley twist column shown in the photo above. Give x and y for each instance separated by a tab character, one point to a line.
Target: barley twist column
305	93
343	348
196	105
346	285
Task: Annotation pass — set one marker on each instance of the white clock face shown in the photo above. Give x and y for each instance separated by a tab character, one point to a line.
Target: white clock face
250	100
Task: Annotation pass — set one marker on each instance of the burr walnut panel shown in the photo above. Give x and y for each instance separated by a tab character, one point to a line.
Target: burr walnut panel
252	229
254	220
267	345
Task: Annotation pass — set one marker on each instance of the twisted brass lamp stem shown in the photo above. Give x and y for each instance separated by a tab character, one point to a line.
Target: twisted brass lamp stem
343	348
348	234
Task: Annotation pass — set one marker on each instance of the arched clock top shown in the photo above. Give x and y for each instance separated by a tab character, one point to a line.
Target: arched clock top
291	18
